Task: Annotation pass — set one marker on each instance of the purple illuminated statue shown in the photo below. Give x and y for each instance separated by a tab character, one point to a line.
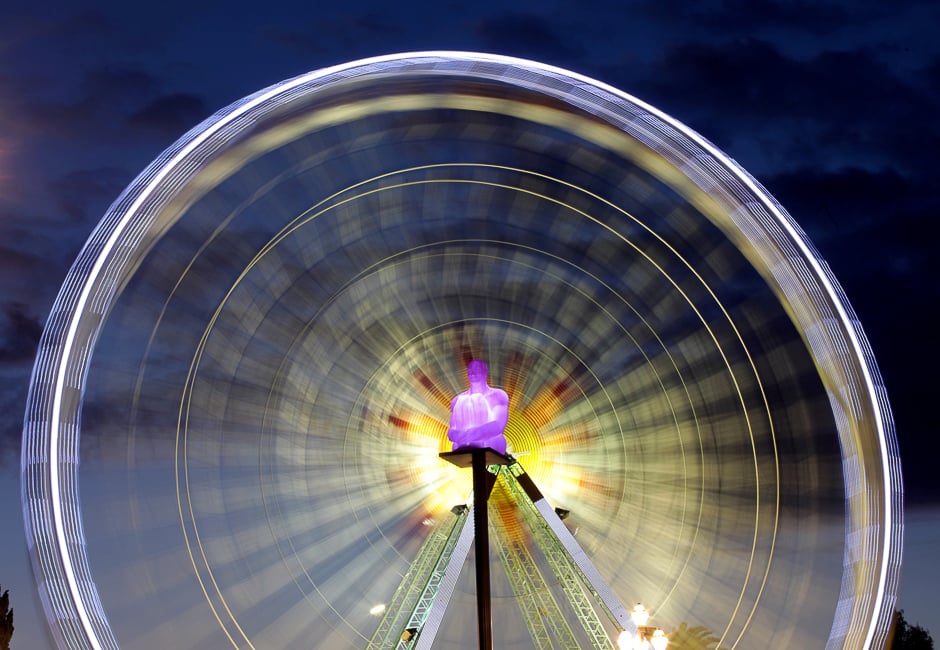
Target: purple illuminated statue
478	415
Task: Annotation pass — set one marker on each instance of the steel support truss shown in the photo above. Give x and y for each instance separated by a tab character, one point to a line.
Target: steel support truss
414	615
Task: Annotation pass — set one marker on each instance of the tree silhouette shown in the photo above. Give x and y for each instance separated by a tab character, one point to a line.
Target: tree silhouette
6	621
692	638
909	637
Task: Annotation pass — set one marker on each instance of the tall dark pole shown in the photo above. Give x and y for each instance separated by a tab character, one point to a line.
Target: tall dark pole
483	481
481	540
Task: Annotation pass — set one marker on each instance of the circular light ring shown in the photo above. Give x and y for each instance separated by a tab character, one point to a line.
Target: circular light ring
734	202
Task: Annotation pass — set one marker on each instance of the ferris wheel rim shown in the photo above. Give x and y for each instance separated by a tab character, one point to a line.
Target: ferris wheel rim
85	289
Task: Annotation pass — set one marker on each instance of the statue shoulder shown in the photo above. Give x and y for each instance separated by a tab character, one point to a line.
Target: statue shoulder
501	396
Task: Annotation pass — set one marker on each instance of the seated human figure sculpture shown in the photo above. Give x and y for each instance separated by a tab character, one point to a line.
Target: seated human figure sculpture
478	415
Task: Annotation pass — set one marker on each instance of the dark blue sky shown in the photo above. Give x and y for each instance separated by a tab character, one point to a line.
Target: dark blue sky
832	106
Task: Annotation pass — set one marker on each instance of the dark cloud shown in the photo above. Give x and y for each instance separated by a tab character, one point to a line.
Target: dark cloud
74	78
346	33
19	338
771	110
528	35
171	115
723	80
856	214
83	194
18	262
49	33
117	85
846	197
931	74
87	24
87	115
871	227
34	258
747	16
13	405
48	57
293	40
19	334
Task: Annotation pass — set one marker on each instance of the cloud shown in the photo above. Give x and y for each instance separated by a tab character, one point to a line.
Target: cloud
931	73
13	403
747	16
84	190
879	212
57	72
118	85
334	33
19	334
63	30
871	227
19	338
18	262
85	25
170	115
34	257
67	77
773	111
528	35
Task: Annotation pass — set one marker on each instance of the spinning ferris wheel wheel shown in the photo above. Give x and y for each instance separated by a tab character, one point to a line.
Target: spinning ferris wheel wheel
234	424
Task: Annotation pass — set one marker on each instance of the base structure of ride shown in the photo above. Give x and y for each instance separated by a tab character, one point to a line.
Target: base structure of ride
416	611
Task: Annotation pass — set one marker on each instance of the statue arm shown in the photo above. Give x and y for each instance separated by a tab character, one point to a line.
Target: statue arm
500	404
462	433
499	411
456	434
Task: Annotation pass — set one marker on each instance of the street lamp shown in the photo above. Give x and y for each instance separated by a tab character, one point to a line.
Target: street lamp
659	640
647	636
640	615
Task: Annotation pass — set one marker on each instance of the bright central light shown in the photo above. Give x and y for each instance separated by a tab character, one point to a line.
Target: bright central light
625	640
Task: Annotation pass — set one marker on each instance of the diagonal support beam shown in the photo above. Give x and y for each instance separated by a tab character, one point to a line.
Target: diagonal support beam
579	558
448	581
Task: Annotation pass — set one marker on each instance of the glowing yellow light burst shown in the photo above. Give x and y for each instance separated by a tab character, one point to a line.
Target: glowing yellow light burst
537	445
525	443
561	480
526	436
448	485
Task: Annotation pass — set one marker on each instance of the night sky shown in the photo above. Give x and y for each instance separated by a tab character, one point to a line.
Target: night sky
832	106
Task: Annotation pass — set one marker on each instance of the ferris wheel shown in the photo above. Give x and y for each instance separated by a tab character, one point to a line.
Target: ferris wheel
235	417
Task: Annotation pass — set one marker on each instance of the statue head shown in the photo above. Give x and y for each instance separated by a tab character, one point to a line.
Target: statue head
476	371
